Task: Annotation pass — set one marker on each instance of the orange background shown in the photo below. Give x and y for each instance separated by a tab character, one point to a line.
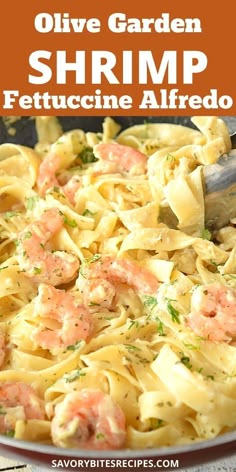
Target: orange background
19	39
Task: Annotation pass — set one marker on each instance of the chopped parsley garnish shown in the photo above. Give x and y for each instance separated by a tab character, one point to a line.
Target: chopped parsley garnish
88	213
131	348
100	436
5	267
186	361
86	262
170	157
37	270
150	302
11	214
56	189
27	235
206	234
31	202
133	323
93	304
87	156
156	423
10	433
173	312
75	346
191	346
75	376
160	328
94	258
71	223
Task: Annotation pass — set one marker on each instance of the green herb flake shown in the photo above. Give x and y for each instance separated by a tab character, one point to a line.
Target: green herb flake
10	433
27	235
75	346
71	223
37	270
156	423
93	304
56	189
100	436
173	312
95	258
210	377
88	213
190	346
160	327
87	156
150	302
5	267
11	214
131	348
186	361
31	202
133	323
206	234
85	263
75	376
170	158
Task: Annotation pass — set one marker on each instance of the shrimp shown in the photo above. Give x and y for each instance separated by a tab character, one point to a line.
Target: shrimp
35	257
213	312
118	158
47	178
18	401
89	419
98	284
75	321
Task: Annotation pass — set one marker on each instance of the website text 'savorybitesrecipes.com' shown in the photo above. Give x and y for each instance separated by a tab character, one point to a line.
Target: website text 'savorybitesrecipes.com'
80	464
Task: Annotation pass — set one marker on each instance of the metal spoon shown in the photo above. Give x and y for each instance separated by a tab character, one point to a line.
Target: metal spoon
220	190
219	182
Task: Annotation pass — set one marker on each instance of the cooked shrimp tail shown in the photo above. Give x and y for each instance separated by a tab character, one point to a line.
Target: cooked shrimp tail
34	254
74	319
118	158
88	419
18	401
99	285
213	312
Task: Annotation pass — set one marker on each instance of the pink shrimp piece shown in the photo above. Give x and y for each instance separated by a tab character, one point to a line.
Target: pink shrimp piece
34	250
104	274
213	312
88	419
123	158
47	178
18	401
74	320
70	188
47	173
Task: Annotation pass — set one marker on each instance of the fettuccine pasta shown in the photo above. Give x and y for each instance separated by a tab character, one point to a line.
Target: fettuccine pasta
117	328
